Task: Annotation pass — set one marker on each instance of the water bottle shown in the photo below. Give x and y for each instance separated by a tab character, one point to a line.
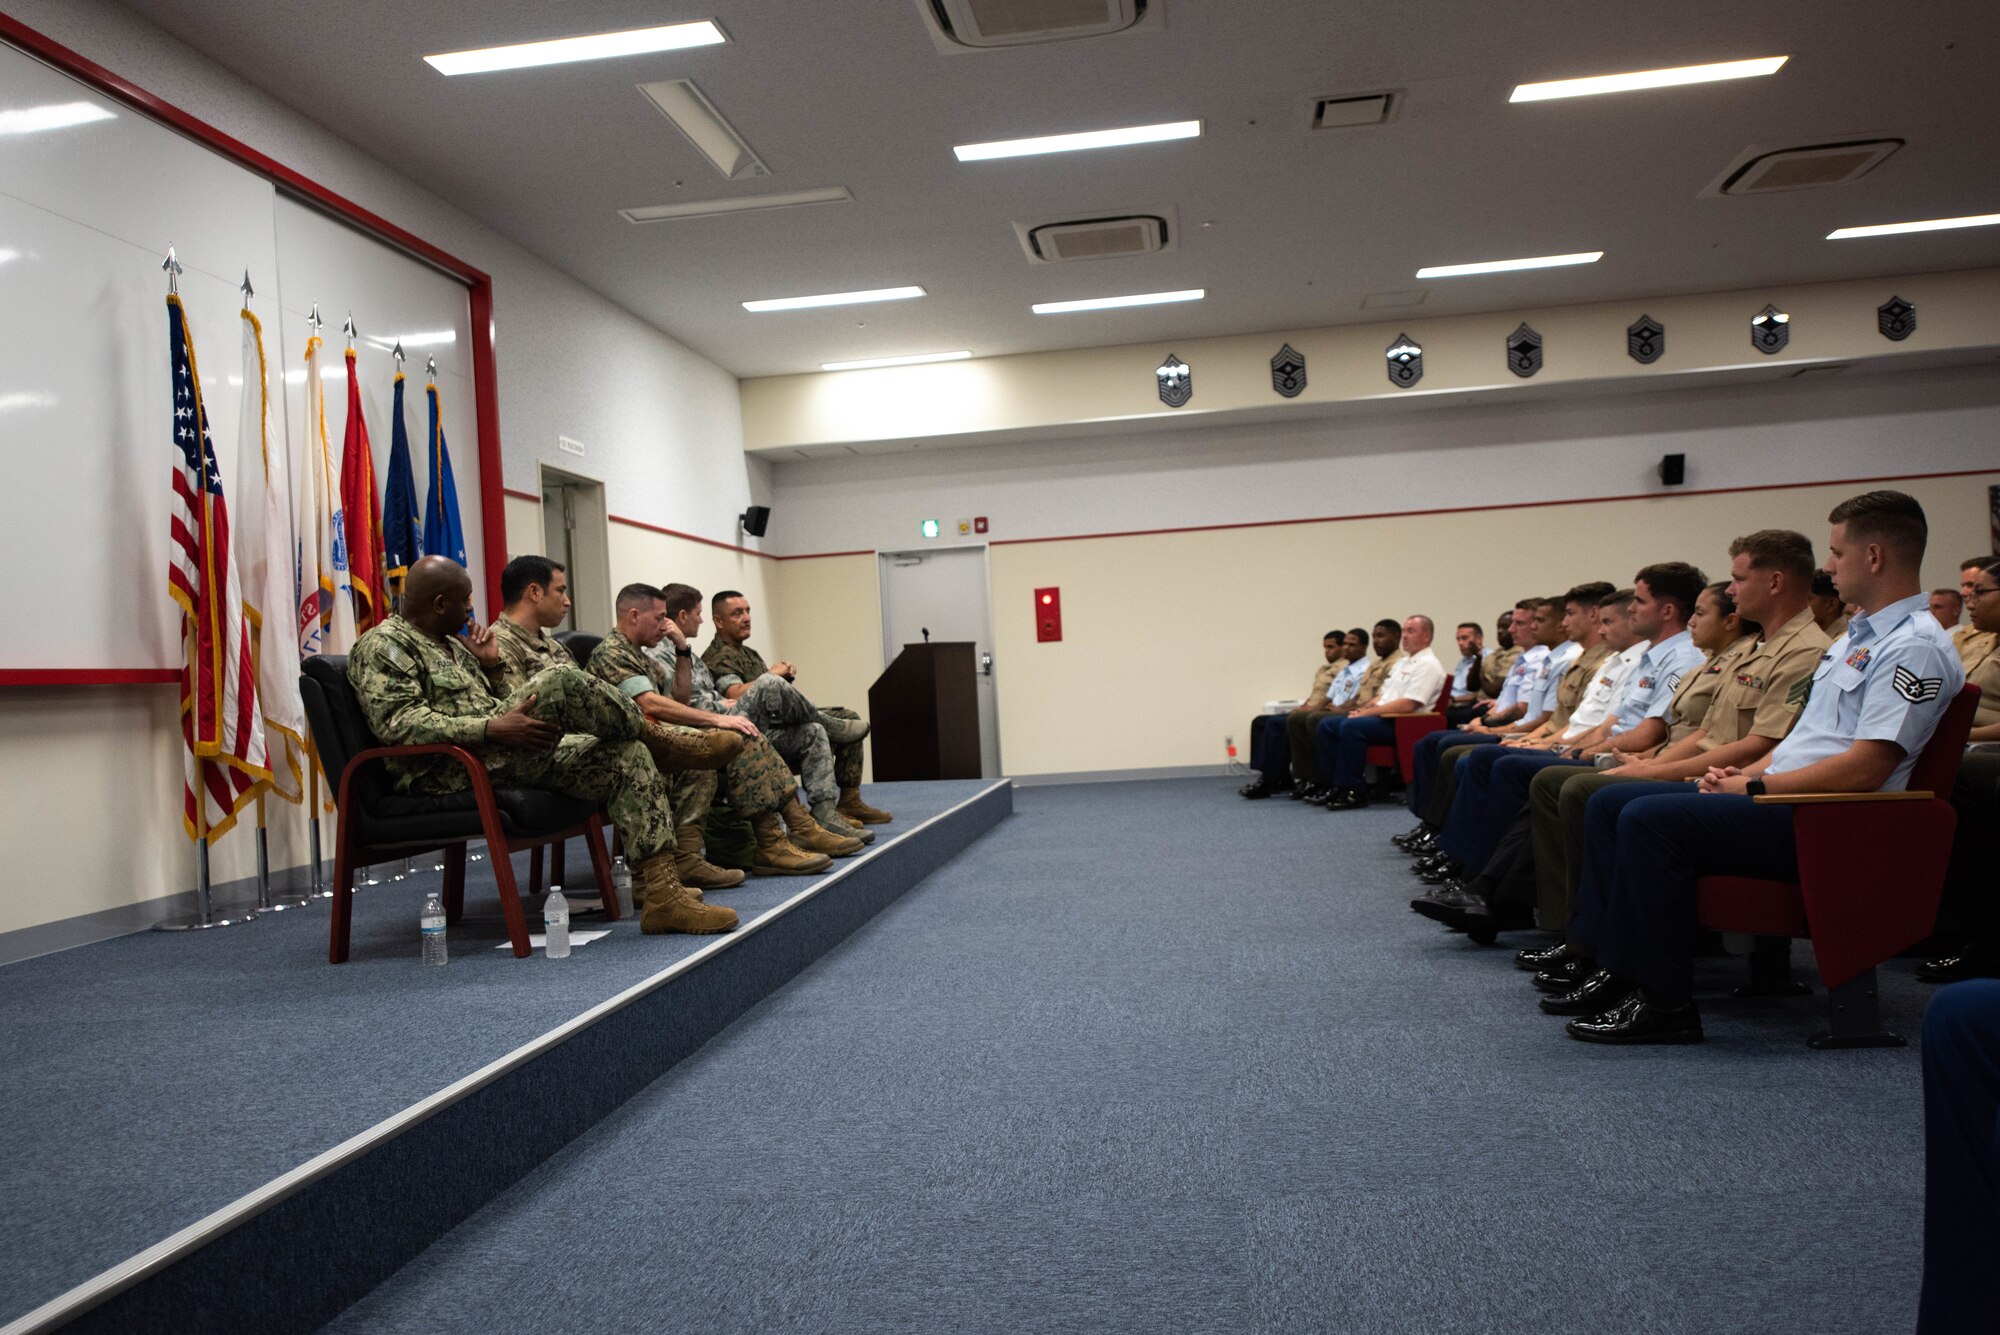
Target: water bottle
555	923
432	923
621	881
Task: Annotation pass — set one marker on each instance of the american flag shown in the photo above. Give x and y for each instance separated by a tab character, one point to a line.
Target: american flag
226	758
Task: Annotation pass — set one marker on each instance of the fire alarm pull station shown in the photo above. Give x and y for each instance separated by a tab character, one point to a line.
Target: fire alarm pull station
1048	615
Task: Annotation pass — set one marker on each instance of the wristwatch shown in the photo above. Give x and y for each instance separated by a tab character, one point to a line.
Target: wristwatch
1754	787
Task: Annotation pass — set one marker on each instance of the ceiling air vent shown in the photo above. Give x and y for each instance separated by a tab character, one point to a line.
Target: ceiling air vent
1355	110
1759	172
1095	238
958	26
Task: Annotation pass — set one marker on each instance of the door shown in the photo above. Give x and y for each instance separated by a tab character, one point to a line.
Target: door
574	532
558	529
943	590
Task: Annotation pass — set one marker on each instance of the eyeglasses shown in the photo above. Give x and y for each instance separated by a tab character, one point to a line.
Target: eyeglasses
1979	592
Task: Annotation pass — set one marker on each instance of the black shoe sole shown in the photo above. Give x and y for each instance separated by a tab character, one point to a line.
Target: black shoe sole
1652	1038
1582	1010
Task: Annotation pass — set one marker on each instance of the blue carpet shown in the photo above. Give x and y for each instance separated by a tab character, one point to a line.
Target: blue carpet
155	1078
1148	1058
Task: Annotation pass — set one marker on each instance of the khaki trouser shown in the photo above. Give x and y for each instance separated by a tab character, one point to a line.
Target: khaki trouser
1556	801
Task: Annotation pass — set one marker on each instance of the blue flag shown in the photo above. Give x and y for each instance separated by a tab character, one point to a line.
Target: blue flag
443	534
402	528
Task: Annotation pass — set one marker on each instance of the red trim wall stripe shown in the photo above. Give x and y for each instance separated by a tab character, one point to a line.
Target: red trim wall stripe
486	394
89	676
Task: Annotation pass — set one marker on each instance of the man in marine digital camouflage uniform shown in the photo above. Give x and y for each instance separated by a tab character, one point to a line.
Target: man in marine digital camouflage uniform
737	666
563	730
621	660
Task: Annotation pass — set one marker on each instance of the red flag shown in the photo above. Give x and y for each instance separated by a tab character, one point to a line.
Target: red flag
220	721
361	505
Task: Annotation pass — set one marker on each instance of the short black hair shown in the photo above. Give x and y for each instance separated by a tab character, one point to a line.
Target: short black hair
1779	549
1822	586
1674	582
1333	635
1391	623
522	571
1727	606
637	595
680	597
1475	627
1359	634
1891	518
722	596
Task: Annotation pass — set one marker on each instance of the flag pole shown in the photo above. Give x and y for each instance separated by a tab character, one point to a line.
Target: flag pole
205	915
319	890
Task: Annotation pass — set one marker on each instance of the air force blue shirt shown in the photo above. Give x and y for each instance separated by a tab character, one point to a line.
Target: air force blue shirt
1520	678
1345	682
1542	701
1888	679
1650	692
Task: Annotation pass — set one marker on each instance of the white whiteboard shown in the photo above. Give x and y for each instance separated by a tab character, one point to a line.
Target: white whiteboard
86	214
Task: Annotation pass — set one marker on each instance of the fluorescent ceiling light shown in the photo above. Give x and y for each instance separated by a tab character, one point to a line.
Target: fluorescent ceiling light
26	399
1071	143
431	340
1110	303
1627	83
708	208
9	256
1508	266
62	115
713	137
834	299
567	50
1932	225
916	360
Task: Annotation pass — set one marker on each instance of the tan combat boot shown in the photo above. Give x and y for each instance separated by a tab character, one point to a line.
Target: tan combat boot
808	834
695	871
854	809
777	855
676	748
669	906
828	815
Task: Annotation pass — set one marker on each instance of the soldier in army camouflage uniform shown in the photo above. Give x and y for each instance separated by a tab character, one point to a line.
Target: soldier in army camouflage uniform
622	661
784	717
419	684
737	666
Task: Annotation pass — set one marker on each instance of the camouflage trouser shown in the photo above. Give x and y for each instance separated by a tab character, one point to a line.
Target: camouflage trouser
598	759
805	748
758	779
692	790
847	755
772	702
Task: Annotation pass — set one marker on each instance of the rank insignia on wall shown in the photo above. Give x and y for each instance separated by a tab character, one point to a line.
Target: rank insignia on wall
1176	381
1645	340
1770	330
1524	351
1406	362
1896	318
1288	371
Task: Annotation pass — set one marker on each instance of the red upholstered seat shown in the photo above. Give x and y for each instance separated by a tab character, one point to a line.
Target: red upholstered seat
1410	729
1870	876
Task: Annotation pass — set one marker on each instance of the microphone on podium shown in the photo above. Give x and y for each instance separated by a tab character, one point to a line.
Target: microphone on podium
927	633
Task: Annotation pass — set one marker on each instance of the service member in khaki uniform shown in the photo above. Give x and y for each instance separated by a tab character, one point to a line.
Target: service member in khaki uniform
622	661
562	730
1971	642
1301	728
1500	659
737	667
1270	748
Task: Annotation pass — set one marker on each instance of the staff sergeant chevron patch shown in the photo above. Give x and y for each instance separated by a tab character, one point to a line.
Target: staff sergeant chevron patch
1916	689
1800	693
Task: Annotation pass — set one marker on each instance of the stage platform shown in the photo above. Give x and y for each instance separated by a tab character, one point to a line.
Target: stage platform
222	1131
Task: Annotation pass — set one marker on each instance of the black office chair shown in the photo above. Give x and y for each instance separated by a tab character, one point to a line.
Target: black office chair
581	645
377	823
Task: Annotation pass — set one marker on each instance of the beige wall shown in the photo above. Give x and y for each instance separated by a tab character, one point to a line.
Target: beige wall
1172	641
829	623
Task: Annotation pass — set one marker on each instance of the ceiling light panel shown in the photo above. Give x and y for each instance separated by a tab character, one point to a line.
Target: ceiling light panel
1640	79
1075	143
696	117
569	50
709	208
60	116
917	359
833	299
1114	303
1930	225
1510	266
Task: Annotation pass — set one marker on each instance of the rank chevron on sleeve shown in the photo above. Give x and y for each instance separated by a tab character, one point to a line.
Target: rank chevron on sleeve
1916	689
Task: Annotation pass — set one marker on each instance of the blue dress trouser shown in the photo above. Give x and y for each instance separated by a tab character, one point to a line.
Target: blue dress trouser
1492	791
1961	1159
1343	748
1423	784
1269	753
1643	852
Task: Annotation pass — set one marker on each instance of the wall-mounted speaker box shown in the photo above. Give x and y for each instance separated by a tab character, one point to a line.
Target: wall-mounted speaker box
758	518
1673	469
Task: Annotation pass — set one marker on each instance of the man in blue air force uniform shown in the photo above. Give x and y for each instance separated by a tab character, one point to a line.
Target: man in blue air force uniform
1875	700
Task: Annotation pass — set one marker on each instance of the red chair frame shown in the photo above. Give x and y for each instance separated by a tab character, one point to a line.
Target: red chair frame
350	852
1401	756
1871	873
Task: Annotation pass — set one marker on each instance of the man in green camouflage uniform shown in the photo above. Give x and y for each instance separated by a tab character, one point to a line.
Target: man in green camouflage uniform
621	660
737	667
562	730
786	720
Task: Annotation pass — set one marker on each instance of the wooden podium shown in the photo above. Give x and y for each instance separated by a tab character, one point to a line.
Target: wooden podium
923	714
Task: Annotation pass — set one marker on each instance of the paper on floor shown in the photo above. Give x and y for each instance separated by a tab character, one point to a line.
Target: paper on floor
541	942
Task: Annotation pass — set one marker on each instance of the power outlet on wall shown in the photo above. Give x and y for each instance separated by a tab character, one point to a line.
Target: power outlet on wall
568	446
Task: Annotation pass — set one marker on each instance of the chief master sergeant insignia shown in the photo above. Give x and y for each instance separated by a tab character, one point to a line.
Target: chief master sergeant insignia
1524	352
1288	372
1896	318
1176	381
1646	340
1406	362
1770	330
1913	688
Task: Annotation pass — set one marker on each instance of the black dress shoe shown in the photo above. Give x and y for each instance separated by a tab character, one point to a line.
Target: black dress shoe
1972	962
1346	799
1256	790
1442	870
1483	921
1534	961
1639	1019
1301	791
1565	975
1594	996
1407	839
1444	903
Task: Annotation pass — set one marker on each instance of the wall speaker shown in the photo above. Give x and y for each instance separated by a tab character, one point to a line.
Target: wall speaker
1673	469
758	518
